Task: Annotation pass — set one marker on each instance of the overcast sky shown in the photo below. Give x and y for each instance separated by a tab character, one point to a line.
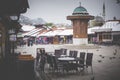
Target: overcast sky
55	11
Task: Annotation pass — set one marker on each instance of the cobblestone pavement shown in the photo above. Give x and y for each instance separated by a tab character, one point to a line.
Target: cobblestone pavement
106	61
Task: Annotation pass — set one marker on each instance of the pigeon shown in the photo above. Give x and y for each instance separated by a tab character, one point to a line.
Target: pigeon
110	58
103	57
100	55
114	53
113	57
97	50
99	61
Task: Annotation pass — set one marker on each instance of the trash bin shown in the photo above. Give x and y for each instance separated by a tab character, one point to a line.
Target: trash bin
25	67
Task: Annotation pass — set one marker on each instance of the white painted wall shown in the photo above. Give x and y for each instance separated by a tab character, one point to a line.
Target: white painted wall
79	41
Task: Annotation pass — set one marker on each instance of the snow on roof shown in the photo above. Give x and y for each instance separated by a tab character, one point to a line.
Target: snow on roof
51	33
91	30
27	27
108	26
41	34
34	35
66	32
32	32
116	28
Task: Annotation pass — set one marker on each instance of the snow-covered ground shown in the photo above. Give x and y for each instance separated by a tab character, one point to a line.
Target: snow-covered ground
106	59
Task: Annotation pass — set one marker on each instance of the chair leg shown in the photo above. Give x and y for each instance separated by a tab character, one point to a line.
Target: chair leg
86	69
91	70
92	78
83	70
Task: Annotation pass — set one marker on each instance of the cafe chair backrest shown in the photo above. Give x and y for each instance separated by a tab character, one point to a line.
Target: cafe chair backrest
50	60
71	53
40	50
82	57
89	59
63	51
75	54
57	52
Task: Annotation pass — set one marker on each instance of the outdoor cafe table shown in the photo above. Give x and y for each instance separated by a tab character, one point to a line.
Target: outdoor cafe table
70	63
66	59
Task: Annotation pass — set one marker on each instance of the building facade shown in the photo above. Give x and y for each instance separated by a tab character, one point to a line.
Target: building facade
80	18
108	33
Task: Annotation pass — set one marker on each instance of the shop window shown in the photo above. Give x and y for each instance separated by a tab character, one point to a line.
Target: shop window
107	36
